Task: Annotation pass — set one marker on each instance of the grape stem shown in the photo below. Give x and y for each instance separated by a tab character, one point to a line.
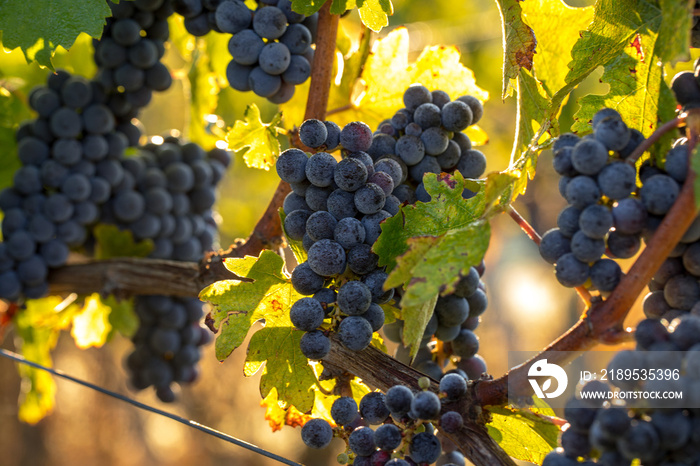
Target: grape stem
603	322
529	230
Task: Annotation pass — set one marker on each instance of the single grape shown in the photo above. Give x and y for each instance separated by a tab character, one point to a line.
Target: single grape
373	409
314	345
355	333
317	433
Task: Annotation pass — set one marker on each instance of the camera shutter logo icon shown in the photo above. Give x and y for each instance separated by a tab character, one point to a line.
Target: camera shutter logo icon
544	369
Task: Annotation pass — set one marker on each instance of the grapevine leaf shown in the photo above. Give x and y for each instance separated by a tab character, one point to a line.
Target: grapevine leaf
307	7
256	139
637	87
338	7
522	434
37	328
123	319
111	242
372	85
674	33
278	416
519	43
611	31
375	13
238	305
206	78
416	317
446	211
286	368
91	325
38	27
557	26
536	87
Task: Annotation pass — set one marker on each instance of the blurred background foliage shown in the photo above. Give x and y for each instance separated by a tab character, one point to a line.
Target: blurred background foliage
527	307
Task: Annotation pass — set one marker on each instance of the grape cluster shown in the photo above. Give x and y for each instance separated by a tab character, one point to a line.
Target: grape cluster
618	434
128	57
69	154
607	212
270	47
75	175
407	423
335	210
166	195
426	137
166	345
453	322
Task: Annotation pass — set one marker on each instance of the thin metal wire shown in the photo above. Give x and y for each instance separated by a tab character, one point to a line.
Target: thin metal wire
195	425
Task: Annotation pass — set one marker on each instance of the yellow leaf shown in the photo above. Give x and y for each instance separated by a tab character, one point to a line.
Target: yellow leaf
91	326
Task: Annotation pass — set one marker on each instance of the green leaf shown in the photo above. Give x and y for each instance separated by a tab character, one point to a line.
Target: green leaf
338	7
635	75
430	245
674	33
112	242
375	13
256	139
416	317
123	318
307	7
238	305
518	43
521	433
38	27
446	211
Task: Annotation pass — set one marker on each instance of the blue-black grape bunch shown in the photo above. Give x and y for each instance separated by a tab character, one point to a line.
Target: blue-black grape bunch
607	212
270	46
69	155
75	175
615	433
399	428
165	195
426	137
335	209
128	57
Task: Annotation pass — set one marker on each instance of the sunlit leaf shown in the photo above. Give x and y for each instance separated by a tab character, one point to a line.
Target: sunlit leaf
372	84
637	87
257	140
521	433
91	325
518	43
37	328
238	305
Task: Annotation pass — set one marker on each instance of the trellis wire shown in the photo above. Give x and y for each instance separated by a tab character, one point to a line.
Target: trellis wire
195	425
